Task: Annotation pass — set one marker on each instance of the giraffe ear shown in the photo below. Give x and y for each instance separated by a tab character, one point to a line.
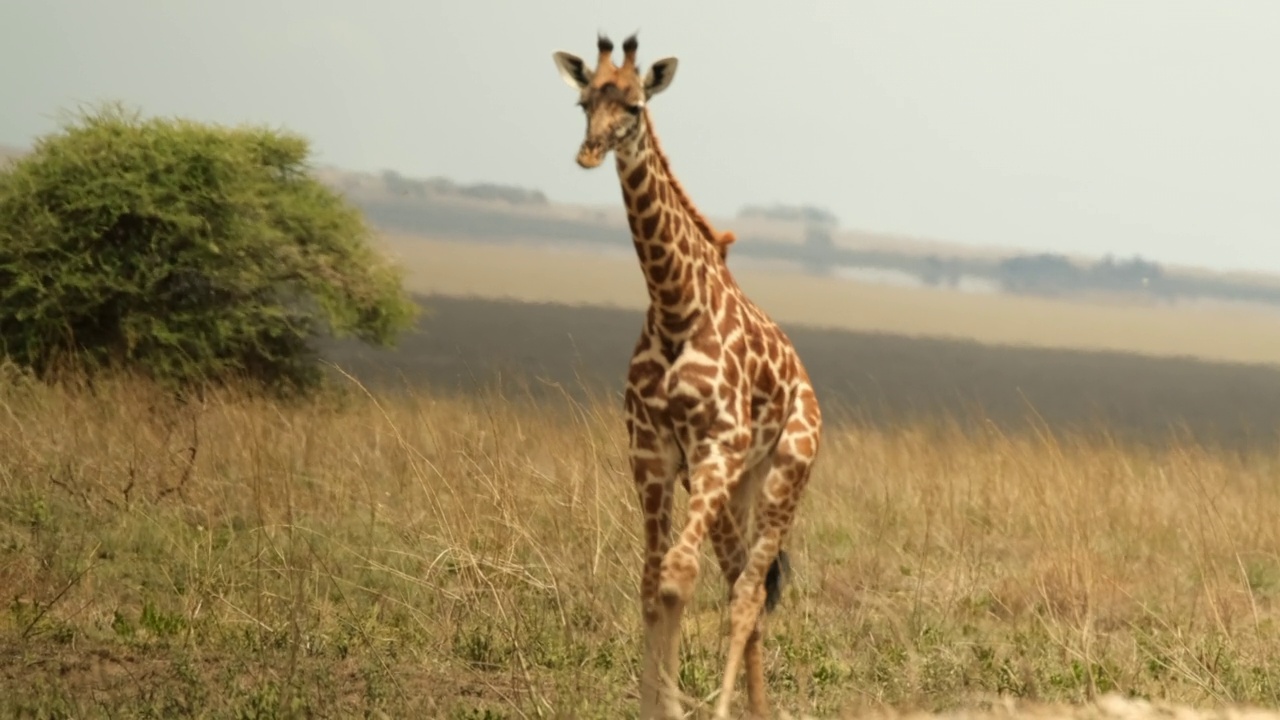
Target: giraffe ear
572	69
660	75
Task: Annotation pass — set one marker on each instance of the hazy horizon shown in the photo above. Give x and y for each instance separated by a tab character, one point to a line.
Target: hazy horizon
1085	127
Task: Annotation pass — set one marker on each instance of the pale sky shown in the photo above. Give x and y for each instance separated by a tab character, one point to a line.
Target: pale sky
1083	126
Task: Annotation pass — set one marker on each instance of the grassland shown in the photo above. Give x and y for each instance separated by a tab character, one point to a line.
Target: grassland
460	541
424	556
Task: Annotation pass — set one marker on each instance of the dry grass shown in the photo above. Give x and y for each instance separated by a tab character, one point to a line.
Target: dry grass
410	556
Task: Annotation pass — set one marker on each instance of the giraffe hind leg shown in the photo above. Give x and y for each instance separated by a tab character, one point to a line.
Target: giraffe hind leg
729	537
788	473
730	541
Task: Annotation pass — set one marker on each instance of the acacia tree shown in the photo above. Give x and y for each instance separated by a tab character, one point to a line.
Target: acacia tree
189	252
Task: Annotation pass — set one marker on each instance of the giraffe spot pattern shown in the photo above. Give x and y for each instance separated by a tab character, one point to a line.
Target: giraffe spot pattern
716	398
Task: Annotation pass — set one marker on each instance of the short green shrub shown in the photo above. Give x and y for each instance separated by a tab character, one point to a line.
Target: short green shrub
187	252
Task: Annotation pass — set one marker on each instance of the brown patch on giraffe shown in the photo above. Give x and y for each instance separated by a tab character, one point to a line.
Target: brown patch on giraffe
732	308
653	496
707	344
659	191
649	224
659	271
680	408
637	177
766	383
695	371
738	347
646	368
671	297
644	437
678	324
670	349
652	526
641	203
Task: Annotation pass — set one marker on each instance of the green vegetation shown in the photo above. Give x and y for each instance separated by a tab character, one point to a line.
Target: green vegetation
186	252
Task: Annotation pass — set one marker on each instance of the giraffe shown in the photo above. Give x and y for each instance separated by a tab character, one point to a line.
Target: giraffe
716	396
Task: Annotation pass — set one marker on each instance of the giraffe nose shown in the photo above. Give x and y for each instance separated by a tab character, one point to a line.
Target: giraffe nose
591	154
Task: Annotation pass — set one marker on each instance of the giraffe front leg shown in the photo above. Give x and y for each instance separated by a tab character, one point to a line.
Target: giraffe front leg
653	473
712	477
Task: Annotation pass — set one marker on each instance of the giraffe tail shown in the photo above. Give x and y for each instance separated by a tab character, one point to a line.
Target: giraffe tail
778	575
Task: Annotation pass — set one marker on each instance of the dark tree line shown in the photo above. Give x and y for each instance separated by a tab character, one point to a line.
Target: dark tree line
398	184
1051	274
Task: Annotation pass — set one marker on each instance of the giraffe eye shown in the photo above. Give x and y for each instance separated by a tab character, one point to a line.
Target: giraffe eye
634	109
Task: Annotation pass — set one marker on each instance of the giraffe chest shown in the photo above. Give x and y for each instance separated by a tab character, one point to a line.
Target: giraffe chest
697	392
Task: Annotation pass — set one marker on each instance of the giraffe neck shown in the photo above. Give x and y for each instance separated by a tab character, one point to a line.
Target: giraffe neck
675	244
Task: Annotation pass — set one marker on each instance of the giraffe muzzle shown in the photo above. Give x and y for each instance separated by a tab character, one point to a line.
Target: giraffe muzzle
591	154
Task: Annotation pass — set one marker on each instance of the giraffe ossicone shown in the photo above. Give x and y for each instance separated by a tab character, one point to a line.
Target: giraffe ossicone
716	396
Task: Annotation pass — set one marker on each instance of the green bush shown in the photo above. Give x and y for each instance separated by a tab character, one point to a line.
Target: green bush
187	252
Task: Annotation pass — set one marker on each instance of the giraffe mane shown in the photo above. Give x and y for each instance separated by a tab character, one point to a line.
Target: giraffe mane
721	240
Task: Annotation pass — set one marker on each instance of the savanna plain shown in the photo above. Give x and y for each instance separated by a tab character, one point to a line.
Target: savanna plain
1012	526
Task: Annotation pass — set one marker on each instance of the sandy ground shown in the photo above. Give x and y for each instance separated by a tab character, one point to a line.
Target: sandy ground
1107	707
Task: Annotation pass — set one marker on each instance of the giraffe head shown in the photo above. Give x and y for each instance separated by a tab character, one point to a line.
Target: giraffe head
612	96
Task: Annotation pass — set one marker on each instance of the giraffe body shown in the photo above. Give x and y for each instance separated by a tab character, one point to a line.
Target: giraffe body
716	397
